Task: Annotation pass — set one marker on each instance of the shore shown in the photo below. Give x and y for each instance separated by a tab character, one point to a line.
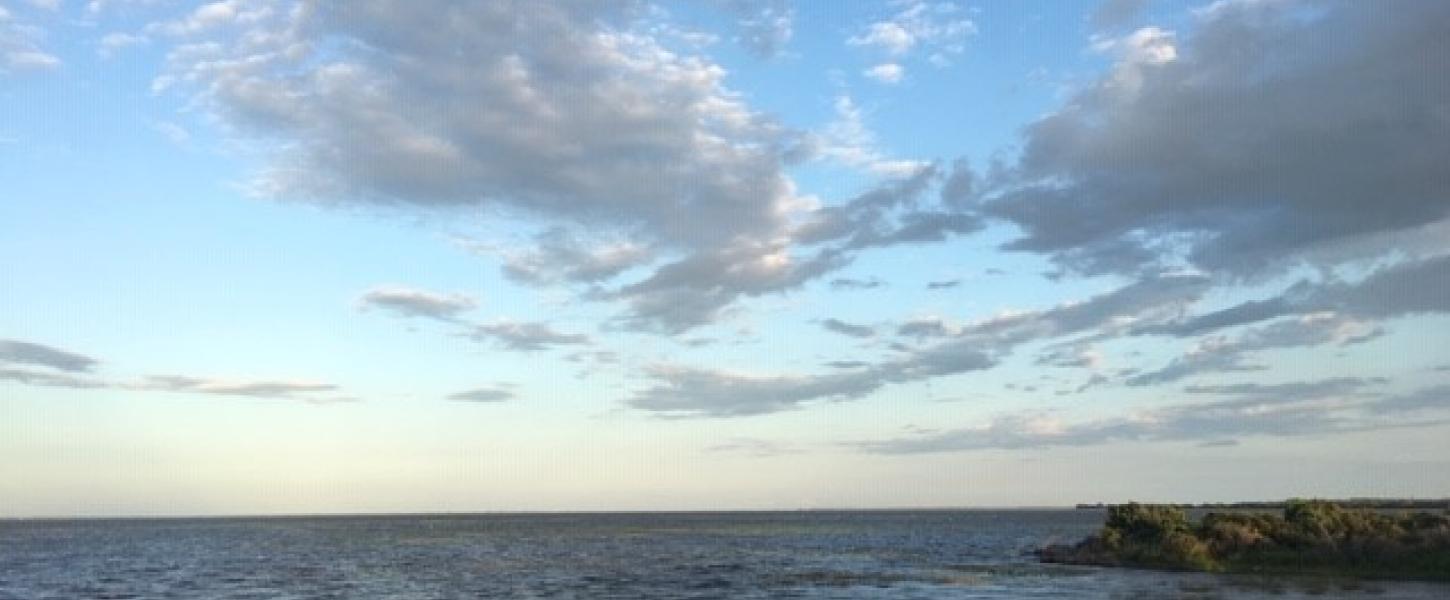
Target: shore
1310	537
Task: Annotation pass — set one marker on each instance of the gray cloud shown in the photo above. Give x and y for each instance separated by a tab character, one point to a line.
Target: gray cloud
693	392
418	303
526	337
849	329
1266	136
690	391
48	379
1296	409
1218	353
592	125
943	285
28	353
924	328
1112	14
765	26
559	256
1071	356
483	395
855	284
68	369
1409	287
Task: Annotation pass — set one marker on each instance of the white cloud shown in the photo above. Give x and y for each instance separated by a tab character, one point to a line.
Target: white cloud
937	28
114	42
885	73
849	141
21	46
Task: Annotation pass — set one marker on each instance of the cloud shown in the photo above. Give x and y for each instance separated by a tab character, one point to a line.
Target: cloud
29	353
591	124
943	285
526	337
48	379
936	28
1112	14
1072	356
1218	354
71	370
21	46
112	43
926	327
701	392
846	283
561	257
1332	406
753	447
483	395
408	302
848	141
254	389
694	392
887	73
1279	135
765	26
1405	288
848	329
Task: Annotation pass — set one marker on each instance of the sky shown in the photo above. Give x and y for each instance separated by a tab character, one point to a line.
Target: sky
287	256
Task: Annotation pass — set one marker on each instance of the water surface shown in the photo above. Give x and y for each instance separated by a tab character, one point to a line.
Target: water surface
849	555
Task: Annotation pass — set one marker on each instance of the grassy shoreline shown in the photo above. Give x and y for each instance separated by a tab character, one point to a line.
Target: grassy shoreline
1309	538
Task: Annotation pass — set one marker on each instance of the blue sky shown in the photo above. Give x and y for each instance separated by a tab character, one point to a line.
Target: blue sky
281	257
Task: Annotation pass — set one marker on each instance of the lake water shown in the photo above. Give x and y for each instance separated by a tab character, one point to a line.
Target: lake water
908	554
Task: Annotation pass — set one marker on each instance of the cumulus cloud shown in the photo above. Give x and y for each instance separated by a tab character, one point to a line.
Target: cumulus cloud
888	73
116	41
1249	410
410	302
592	125
938	29
526	337
1266	135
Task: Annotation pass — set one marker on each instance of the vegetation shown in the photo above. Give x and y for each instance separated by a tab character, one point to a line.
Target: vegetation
1311	537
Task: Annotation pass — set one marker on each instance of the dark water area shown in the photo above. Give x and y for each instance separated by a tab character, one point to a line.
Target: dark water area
874	554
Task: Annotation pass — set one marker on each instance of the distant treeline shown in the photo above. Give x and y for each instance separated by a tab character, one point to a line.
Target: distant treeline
1310	536
1356	503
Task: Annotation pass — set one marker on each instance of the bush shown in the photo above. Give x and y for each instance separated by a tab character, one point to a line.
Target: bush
1313	536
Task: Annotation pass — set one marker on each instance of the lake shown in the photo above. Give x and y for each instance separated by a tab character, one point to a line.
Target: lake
816	554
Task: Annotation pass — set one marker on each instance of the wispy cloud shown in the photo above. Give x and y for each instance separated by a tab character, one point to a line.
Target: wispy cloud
410	302
1278	410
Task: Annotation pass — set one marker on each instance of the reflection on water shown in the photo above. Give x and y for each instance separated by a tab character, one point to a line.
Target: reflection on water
913	554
